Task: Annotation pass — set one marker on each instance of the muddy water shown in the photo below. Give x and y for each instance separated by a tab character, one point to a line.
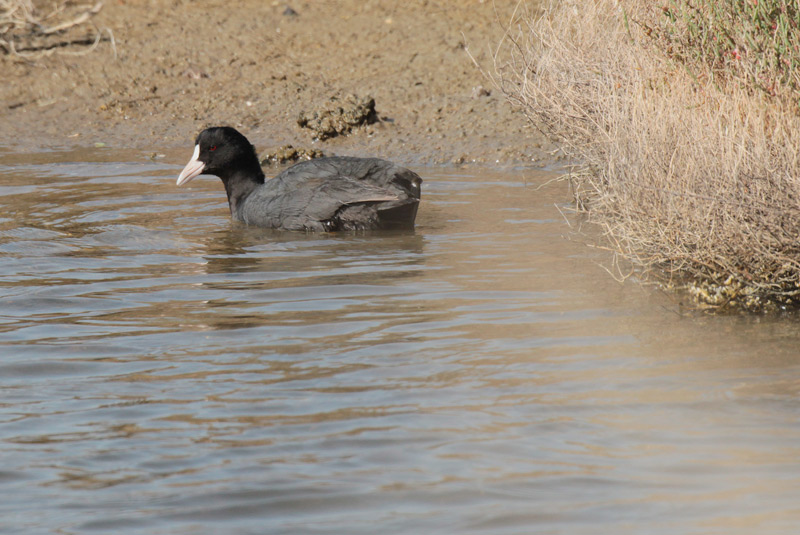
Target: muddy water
163	370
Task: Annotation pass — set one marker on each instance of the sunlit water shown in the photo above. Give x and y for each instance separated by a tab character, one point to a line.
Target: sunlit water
166	371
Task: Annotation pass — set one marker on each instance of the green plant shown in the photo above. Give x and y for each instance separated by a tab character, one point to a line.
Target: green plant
754	42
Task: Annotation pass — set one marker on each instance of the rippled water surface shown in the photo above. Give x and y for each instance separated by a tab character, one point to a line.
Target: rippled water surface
166	371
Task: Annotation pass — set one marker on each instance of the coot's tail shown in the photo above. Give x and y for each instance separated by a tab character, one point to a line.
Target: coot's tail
398	215
394	214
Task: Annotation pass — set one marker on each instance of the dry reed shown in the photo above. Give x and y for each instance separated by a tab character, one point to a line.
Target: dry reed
694	180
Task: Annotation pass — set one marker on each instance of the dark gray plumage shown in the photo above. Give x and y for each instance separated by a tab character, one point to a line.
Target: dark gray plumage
326	194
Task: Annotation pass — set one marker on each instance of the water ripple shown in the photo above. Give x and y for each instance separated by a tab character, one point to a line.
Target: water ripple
165	370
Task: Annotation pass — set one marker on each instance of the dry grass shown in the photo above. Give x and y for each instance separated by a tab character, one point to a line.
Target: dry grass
31	28
694	180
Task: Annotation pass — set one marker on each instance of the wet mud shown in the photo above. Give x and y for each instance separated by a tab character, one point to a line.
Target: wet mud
165	69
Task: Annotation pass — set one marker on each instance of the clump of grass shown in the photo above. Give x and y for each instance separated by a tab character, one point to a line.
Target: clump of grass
686	160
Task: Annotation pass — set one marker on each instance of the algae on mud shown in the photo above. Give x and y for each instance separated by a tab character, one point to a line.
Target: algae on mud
339	116
288	154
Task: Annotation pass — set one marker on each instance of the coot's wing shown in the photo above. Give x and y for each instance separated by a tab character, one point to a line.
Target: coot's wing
310	195
311	206
373	171
332	195
307	174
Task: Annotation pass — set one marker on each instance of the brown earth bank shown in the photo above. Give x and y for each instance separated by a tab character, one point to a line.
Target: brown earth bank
168	68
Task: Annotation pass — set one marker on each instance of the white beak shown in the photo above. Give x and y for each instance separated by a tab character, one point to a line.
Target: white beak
192	169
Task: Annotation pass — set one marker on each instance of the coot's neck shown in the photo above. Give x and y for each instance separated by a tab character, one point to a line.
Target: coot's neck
240	183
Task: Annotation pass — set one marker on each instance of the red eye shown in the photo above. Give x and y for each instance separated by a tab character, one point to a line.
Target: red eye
213	148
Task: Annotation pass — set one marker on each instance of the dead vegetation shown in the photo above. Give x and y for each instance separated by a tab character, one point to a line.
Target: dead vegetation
693	176
31	28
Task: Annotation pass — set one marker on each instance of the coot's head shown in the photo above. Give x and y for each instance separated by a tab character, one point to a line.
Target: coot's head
220	151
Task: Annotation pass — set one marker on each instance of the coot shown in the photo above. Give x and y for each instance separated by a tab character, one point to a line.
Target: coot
326	194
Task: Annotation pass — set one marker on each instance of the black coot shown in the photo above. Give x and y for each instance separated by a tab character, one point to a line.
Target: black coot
327	194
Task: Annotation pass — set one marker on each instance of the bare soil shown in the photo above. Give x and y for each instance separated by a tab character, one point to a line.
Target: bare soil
175	67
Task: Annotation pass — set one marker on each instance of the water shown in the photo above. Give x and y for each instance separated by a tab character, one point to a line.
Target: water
166	371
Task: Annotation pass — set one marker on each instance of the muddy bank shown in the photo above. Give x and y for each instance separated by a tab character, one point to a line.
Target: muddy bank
175	67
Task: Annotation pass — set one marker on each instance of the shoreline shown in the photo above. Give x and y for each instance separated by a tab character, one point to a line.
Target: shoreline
172	71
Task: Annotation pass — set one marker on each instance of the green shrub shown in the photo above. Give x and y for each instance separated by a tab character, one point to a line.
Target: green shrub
755	42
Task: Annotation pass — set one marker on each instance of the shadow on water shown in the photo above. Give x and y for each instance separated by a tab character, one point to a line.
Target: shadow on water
165	370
